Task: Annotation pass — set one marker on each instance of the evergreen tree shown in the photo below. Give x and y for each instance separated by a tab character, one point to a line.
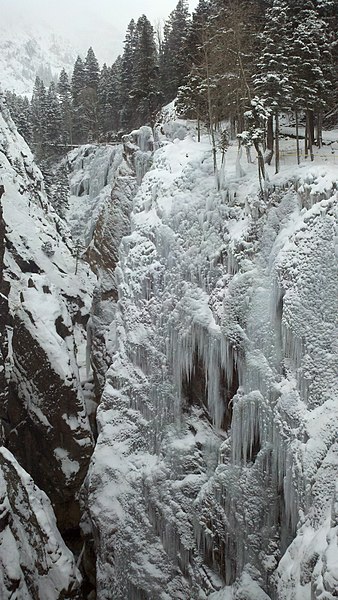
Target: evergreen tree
53	117
24	119
115	94
65	96
144	93
92	70
59	190
272	79
173	60
39	117
127	68
78	83
21	114
103	96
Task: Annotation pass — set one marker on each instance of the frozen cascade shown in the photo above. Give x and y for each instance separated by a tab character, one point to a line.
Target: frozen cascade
140	144
93	171
208	408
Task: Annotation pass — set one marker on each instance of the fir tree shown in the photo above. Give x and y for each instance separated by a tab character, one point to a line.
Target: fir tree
127	68
59	190
144	92
272	80
103	96
53	117
92	70
21	114
39	117
65	96
78	83
173	60
115	93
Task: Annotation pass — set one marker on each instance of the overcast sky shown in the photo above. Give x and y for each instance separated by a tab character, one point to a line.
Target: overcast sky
98	23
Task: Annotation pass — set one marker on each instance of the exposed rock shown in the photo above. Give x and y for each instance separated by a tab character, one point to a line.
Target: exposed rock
34	561
43	407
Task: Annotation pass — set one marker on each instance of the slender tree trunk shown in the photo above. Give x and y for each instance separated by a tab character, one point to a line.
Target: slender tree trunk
277	141
309	120
232	127
306	153
198	130
297	136
269	139
311	127
261	166
210	111
319	128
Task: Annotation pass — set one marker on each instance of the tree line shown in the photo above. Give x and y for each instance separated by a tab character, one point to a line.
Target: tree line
244	61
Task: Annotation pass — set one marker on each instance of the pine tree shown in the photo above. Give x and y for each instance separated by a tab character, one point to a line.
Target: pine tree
59	190
53	117
272	79
309	47
192	99
115	93
21	114
65	96
127	68
39	117
78	84
92	70
25	119
144	93
173	61
104	109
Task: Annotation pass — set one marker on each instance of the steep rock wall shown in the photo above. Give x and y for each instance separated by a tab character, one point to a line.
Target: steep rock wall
34	561
44	412
216	423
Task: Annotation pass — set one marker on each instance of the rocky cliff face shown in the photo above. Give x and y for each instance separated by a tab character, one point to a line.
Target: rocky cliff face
34	561
215	463
46	298
103	183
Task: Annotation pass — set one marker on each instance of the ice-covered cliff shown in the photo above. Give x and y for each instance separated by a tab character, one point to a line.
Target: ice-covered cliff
210	323
34	561
215	465
46	296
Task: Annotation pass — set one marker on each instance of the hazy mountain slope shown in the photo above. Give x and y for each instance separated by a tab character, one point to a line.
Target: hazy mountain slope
24	54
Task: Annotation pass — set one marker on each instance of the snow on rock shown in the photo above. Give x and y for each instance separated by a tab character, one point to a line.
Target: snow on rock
215	458
24	54
103	182
34	561
49	299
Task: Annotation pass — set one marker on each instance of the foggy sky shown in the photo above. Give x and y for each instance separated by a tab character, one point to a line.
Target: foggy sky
98	23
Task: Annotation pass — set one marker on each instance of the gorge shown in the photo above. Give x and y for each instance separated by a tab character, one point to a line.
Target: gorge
173	390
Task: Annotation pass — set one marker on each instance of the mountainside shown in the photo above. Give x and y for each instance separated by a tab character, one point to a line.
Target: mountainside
25	54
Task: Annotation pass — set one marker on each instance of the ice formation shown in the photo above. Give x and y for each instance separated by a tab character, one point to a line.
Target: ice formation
211	339
218	416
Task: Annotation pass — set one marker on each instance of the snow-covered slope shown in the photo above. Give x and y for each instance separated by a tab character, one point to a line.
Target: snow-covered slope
216	458
34	561
24	54
46	297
